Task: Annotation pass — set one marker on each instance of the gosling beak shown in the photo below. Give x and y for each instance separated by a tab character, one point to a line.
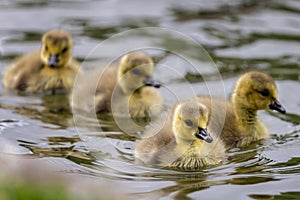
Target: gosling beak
150	82
53	60
203	135
277	106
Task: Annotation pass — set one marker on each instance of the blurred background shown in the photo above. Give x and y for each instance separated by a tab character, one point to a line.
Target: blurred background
238	35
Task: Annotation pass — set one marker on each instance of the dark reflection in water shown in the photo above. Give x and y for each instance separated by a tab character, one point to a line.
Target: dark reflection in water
289	117
27	36
54	109
221	10
30	4
181	190
98	32
281	196
49	152
52	146
292	166
252	180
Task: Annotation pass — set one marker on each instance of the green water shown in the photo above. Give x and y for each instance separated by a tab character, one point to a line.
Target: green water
238	35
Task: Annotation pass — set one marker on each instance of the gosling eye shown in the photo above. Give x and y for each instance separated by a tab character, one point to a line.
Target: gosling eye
264	93
189	123
136	72
46	48
64	50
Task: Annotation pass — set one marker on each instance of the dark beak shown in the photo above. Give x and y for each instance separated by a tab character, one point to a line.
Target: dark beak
277	106
203	135
150	82
53	60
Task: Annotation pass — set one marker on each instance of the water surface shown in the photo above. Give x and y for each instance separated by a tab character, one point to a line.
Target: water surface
238	35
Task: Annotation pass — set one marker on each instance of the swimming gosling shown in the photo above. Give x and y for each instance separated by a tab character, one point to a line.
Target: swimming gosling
183	141
254	91
52	67
126	90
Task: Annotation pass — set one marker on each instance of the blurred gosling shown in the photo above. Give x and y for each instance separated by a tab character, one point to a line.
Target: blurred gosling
52	67
254	91
125	90
183	141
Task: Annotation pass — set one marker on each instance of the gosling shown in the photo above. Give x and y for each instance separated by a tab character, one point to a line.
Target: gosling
50	68
183	141
126	90
254	91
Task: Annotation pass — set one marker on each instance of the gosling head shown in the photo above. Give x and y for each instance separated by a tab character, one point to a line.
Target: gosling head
257	91
56	48
190	122
136	70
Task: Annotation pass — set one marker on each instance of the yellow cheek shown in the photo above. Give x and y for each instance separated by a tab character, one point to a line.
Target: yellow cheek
274	94
149	72
202	123
45	55
263	102
147	69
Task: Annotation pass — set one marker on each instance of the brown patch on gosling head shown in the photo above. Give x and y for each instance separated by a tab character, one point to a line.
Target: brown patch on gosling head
57	36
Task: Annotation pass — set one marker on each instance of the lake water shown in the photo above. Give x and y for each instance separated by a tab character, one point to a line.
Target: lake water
237	35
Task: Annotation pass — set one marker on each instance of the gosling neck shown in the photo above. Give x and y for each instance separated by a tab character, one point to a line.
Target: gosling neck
128	91
248	121
247	118
188	145
124	87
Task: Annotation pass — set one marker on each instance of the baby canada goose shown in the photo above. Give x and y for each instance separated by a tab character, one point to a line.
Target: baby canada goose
49	68
129	88
183	142
253	91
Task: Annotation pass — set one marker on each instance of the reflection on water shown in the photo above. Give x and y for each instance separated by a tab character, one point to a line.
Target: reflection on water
239	35
281	196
